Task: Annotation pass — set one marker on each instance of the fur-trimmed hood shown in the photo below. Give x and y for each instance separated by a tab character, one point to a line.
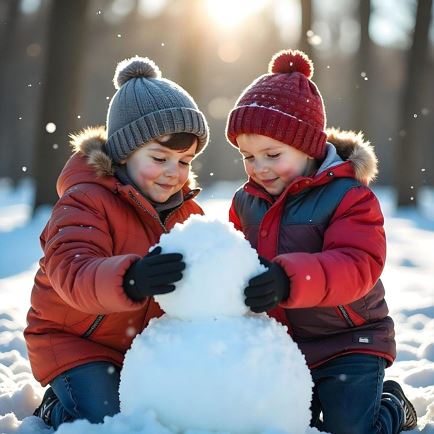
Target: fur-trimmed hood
352	147
90	142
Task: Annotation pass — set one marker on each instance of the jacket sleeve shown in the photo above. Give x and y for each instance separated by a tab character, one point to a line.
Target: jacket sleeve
351	261
233	216
79	260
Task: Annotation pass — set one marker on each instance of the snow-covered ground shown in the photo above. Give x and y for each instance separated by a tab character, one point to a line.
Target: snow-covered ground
408	277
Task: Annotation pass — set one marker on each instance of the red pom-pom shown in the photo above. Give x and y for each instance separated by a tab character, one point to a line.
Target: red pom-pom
287	61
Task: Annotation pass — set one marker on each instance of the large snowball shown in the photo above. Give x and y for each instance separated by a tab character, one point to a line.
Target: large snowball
220	262
238	375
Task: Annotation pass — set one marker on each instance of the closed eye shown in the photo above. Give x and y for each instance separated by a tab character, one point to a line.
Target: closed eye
185	163
273	155
159	160
248	158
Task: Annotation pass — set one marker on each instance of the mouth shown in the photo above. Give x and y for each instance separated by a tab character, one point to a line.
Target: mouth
166	187
267	182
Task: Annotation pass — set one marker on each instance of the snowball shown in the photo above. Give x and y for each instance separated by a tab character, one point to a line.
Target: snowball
219	263
240	375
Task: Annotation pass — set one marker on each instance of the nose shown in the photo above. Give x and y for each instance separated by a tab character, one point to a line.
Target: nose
171	170
260	166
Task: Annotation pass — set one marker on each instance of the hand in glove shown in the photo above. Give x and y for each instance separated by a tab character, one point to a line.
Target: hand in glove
154	274
268	289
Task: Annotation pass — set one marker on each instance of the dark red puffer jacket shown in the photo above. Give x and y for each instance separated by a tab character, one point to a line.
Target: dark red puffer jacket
326	231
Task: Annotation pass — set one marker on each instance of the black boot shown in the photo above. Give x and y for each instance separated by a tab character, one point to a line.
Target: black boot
48	402
410	417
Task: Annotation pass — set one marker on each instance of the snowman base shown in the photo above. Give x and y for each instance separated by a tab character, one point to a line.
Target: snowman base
242	375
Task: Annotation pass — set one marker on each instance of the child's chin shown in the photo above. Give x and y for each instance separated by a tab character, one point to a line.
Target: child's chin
160	199
273	191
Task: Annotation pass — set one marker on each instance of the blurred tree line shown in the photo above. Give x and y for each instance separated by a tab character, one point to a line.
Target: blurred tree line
58	59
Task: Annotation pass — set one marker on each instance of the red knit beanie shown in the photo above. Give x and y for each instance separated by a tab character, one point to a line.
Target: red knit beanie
284	105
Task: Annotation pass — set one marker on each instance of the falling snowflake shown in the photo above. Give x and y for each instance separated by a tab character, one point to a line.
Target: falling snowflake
50	127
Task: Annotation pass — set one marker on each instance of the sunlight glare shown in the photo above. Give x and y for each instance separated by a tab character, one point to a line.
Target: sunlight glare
230	13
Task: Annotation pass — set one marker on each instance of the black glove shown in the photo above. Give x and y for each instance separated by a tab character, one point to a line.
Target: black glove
268	289
153	274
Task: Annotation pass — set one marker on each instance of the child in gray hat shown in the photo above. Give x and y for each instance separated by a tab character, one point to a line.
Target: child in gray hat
118	193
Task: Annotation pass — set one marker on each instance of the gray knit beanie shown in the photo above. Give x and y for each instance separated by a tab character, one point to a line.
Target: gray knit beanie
147	106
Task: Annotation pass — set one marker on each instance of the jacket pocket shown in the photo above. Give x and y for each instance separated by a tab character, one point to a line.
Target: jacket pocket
352	318
93	326
314	323
80	323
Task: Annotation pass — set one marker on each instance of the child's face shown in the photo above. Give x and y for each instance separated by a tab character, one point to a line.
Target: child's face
159	171
270	163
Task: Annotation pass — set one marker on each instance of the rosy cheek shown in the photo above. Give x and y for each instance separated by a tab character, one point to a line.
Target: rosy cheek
150	171
183	175
248	168
283	171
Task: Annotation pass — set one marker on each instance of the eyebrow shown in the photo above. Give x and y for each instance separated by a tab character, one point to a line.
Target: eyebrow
269	148
166	151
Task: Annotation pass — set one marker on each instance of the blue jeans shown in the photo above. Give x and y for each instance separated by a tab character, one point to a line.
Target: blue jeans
89	391
347	391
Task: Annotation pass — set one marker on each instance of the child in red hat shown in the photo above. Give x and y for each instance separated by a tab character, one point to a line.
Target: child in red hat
318	227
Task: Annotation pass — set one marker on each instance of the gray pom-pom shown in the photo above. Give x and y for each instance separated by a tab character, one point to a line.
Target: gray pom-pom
135	67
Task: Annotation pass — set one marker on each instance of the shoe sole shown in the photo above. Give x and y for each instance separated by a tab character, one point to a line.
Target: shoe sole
398	389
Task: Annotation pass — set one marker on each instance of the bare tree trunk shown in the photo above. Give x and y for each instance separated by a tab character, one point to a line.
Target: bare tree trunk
61	88
408	175
192	46
192	49
361	92
306	26
8	152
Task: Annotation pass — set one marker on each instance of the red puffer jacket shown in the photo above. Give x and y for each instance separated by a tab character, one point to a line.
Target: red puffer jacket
79	312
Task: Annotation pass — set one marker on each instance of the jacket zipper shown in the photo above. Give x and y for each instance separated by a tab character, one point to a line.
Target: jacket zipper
93	326
346	316
187	197
137	202
171	212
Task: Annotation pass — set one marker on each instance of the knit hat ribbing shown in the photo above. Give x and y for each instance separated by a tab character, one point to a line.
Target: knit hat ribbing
284	105
147	106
